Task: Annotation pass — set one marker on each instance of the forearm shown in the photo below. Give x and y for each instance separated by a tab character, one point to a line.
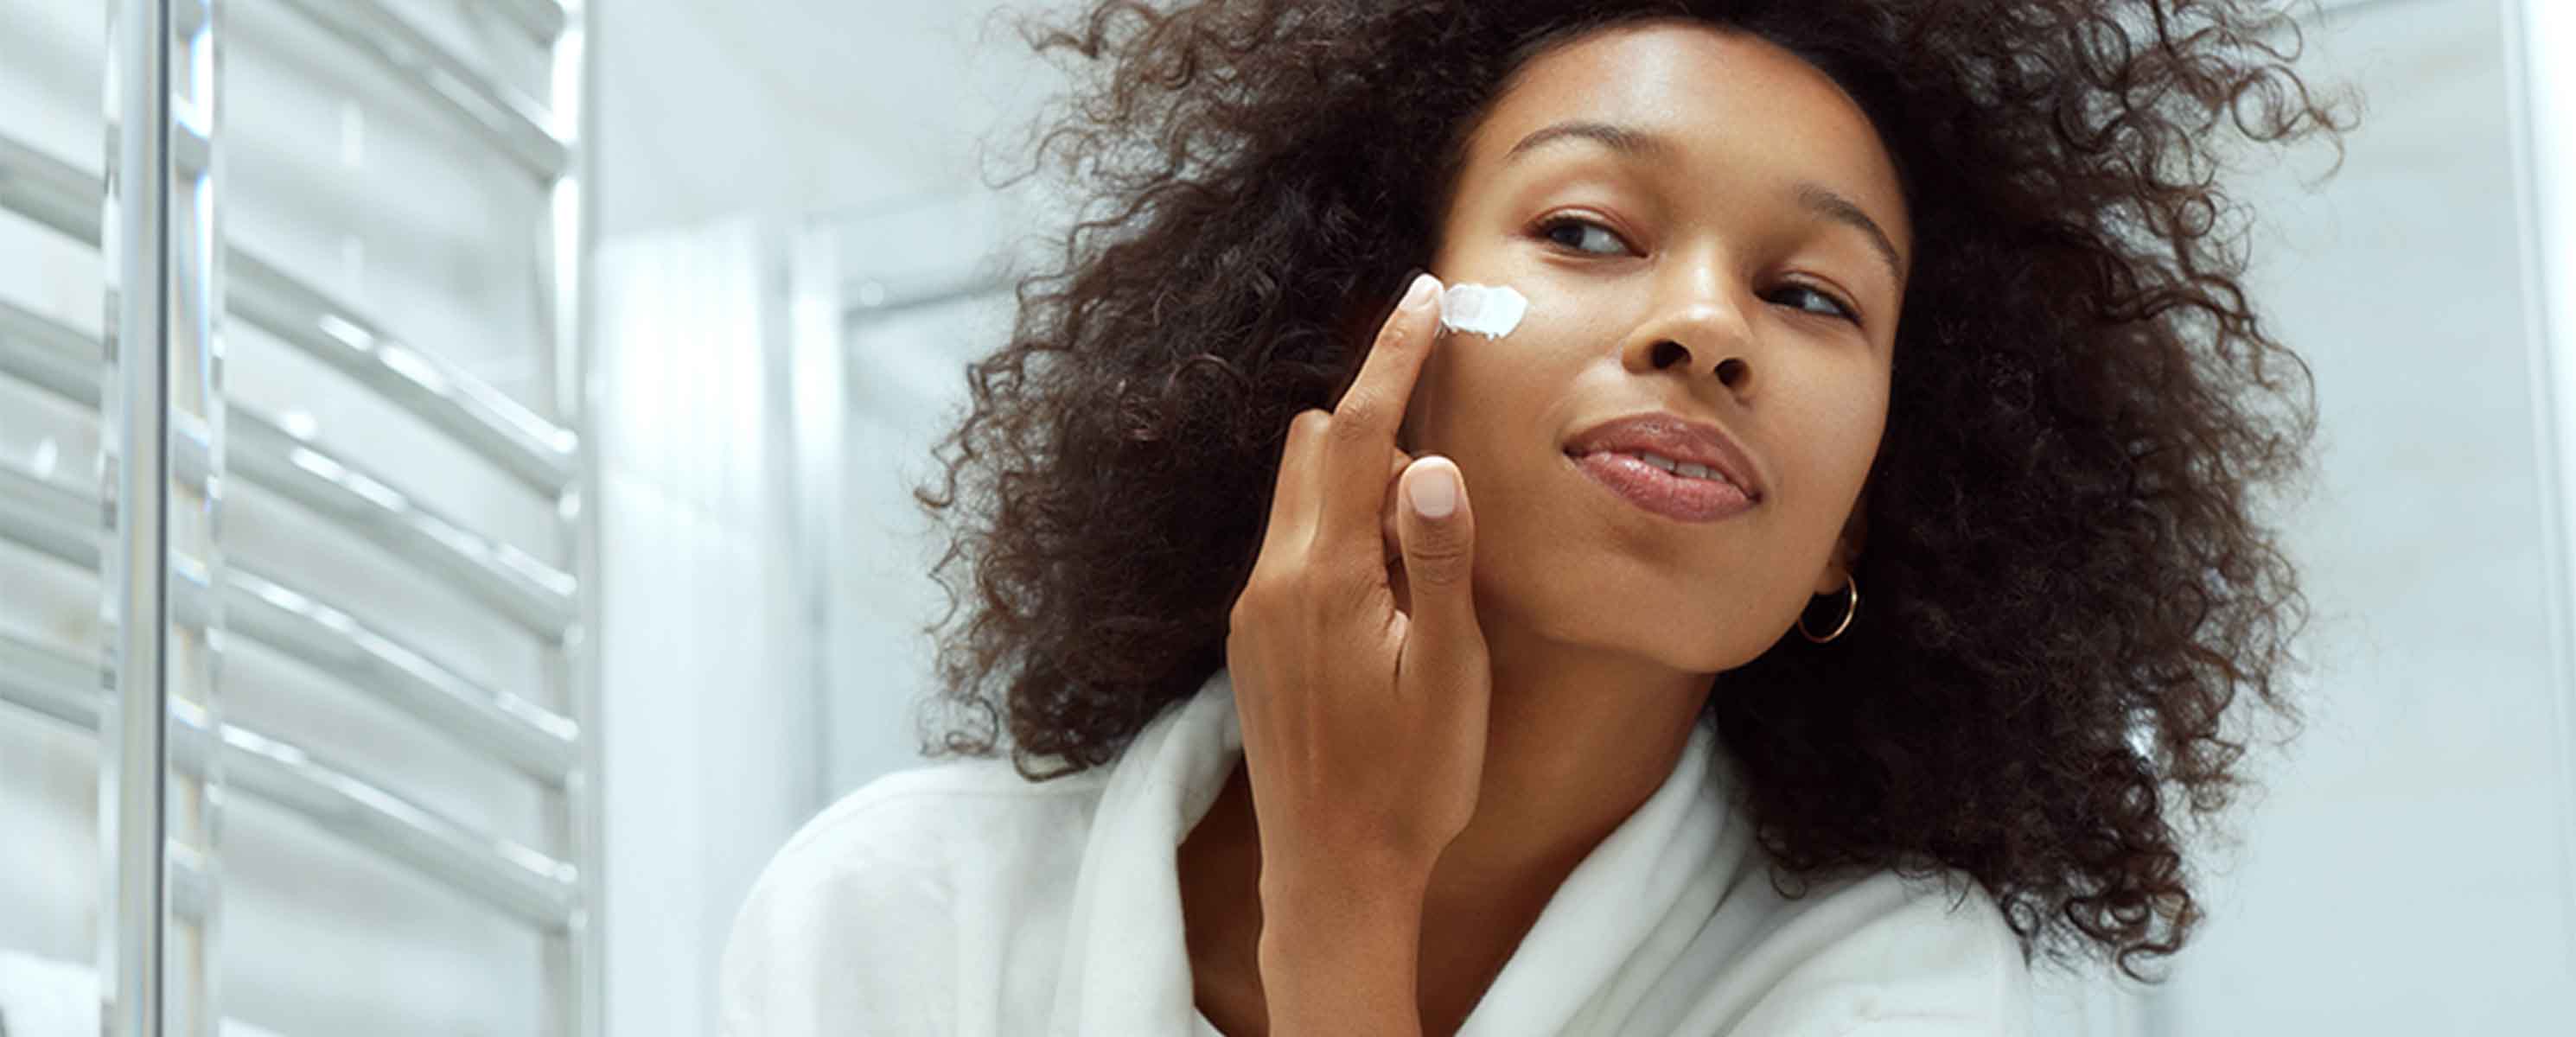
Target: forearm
1342	958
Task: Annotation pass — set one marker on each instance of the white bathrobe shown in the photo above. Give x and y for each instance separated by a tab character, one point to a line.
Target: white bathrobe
961	899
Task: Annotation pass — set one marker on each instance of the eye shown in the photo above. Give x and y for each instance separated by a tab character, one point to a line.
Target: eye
1582	229
1550	227
1835	307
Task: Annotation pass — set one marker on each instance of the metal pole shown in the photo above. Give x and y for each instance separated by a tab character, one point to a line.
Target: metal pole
572	232
160	771
132	780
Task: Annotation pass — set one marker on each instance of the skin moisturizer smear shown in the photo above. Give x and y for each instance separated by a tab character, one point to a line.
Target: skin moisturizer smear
1488	310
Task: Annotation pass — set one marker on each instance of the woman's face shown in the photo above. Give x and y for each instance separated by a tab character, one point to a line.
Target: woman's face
1683	207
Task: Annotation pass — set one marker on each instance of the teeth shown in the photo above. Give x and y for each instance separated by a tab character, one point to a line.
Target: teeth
1685	469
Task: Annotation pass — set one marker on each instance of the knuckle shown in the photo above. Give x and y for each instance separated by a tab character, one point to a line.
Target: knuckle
1305	426
1441	562
1396	332
1357	416
1252	600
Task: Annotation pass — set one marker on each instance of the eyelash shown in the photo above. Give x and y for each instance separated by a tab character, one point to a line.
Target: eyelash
1547	227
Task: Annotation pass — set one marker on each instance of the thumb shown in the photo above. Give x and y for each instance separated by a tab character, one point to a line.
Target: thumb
1439	542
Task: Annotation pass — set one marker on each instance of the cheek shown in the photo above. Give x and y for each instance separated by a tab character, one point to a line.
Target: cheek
1838	440
1475	393
1852	440
1834	396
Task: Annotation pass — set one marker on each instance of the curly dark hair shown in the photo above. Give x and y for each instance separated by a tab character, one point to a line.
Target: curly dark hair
2070	577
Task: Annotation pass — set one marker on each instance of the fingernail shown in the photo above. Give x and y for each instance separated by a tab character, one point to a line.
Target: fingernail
1435	493
1420	293
1411	274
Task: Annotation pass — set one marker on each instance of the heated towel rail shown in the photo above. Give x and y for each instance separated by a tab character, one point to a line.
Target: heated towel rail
147	522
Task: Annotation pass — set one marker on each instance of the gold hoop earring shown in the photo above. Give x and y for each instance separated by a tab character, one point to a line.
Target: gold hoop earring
1853	585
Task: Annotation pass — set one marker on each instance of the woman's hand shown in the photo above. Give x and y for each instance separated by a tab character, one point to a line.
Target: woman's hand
1363	724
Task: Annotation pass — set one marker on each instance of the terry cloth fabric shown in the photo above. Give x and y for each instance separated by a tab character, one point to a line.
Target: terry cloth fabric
961	899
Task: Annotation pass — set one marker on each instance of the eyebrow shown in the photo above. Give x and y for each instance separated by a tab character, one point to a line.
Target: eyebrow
1636	143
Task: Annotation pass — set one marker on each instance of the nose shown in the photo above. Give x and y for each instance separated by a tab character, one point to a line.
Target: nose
1698	327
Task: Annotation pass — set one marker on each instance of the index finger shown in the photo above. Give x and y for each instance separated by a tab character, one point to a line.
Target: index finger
1366	419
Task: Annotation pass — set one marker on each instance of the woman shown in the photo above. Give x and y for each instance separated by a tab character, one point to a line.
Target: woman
1938	300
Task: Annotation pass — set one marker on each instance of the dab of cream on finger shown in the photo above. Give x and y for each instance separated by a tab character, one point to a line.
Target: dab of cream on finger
1488	310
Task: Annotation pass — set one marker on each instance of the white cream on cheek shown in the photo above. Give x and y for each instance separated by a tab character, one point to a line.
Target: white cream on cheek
1488	310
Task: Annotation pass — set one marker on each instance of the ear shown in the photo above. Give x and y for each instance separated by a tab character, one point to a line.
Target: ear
1847	548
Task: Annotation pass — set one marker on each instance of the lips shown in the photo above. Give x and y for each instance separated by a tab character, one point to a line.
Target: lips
1675	497
1676	437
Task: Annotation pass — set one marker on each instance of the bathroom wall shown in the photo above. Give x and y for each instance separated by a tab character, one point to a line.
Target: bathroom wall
2406	870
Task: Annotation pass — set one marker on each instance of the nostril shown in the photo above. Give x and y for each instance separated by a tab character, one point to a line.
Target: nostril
1668	353
1730	372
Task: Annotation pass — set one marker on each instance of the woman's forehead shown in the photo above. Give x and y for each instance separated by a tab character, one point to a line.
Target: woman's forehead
1697	100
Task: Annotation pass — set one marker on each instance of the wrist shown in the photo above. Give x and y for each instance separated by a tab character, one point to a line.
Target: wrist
1340	959
1378	885
1322	916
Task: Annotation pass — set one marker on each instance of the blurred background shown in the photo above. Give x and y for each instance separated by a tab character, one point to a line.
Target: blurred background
508	474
